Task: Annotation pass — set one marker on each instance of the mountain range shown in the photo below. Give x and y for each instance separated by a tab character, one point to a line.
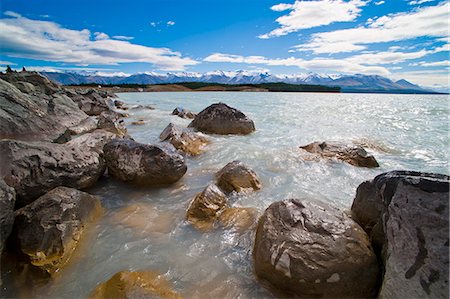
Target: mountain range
347	83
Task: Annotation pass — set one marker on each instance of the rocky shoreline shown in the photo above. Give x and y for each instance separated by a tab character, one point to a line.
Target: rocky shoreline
56	142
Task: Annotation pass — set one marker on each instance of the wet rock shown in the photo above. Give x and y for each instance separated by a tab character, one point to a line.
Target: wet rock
239	219
48	230
222	119
183	113
206	207
139	122
141	107
236	176
7	200
143	164
120	105
112	122
352	154
191	143
126	284
406	214
91	101
309	249
34	168
87	125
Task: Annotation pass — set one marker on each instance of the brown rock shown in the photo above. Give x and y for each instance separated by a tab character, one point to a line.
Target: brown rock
183	113
239	219
91	101
352	154
139	122
307	249
191	143
112	122
236	176
87	125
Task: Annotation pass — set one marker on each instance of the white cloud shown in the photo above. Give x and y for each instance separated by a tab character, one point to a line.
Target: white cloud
44	40
425	78
418	2
429	21
12	14
153	24
379	3
434	63
309	14
170	23
2	62
123	37
387	57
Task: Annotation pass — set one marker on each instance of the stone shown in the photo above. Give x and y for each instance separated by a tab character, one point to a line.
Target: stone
222	119
120	105
7	200
236	176
236	218
34	168
142	284
139	122
206	207
87	125
406	214
309	249
192	143
143	164
183	113
352	154
90	101
112	122
29	82
48	230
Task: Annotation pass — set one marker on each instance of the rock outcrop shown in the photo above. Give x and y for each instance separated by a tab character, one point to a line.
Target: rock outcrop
87	125
143	164
48	230
112	121
192	143
236	176
90	101
222	119
126	284
352	154
183	113
7	200
308	249
406	215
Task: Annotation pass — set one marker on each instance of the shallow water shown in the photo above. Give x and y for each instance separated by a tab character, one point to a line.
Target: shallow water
144	228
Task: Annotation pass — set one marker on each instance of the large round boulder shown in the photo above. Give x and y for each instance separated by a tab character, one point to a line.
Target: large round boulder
143	164
47	231
308	249
236	176
222	119
406	214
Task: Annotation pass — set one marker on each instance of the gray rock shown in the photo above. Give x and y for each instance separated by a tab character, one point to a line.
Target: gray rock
29	82
183	113
87	125
112	122
307	249
222	119
48	230
7	200
236	176
192	143
352	154
407	217
143	164
91	101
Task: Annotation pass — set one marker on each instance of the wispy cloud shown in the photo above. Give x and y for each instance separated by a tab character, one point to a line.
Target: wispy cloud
48	41
123	37
418	2
3	62
432	64
429	21
309	14
379	3
170	23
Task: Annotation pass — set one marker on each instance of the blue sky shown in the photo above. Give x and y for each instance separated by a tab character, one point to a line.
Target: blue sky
393	38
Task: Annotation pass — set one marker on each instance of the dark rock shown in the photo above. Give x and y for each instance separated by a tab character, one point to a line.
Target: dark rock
206	207
222	119
112	122
120	104
91	101
183	113
307	249
48	230
139	122
352	154
192	143
87	125
406	215
236	176
143	164
7	200
143	284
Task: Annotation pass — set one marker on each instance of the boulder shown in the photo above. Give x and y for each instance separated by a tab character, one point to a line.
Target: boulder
352	154
87	125
222	119
143	284
34	168
48	230
112	122
120	105
237	218
7	200
236	176
143	164
191	143
91	101
308	249
183	113
406	214
31	82
206	207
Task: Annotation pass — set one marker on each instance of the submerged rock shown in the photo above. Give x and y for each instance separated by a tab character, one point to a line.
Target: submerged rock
352	154
236	176
236	218
48	230
126	284
143	164
191	143
406	214
206	207
222	119
308	249
183	113
7	200
138	122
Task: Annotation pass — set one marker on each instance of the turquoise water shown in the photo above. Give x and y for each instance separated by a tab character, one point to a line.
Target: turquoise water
144	228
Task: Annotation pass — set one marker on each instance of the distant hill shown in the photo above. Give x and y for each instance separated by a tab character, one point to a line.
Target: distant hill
347	83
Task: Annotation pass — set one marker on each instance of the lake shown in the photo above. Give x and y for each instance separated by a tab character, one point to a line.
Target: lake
145	228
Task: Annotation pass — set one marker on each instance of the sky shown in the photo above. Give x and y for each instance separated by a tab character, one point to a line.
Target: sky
398	39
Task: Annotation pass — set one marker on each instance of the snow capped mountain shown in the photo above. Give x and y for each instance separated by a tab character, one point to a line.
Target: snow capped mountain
348	83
